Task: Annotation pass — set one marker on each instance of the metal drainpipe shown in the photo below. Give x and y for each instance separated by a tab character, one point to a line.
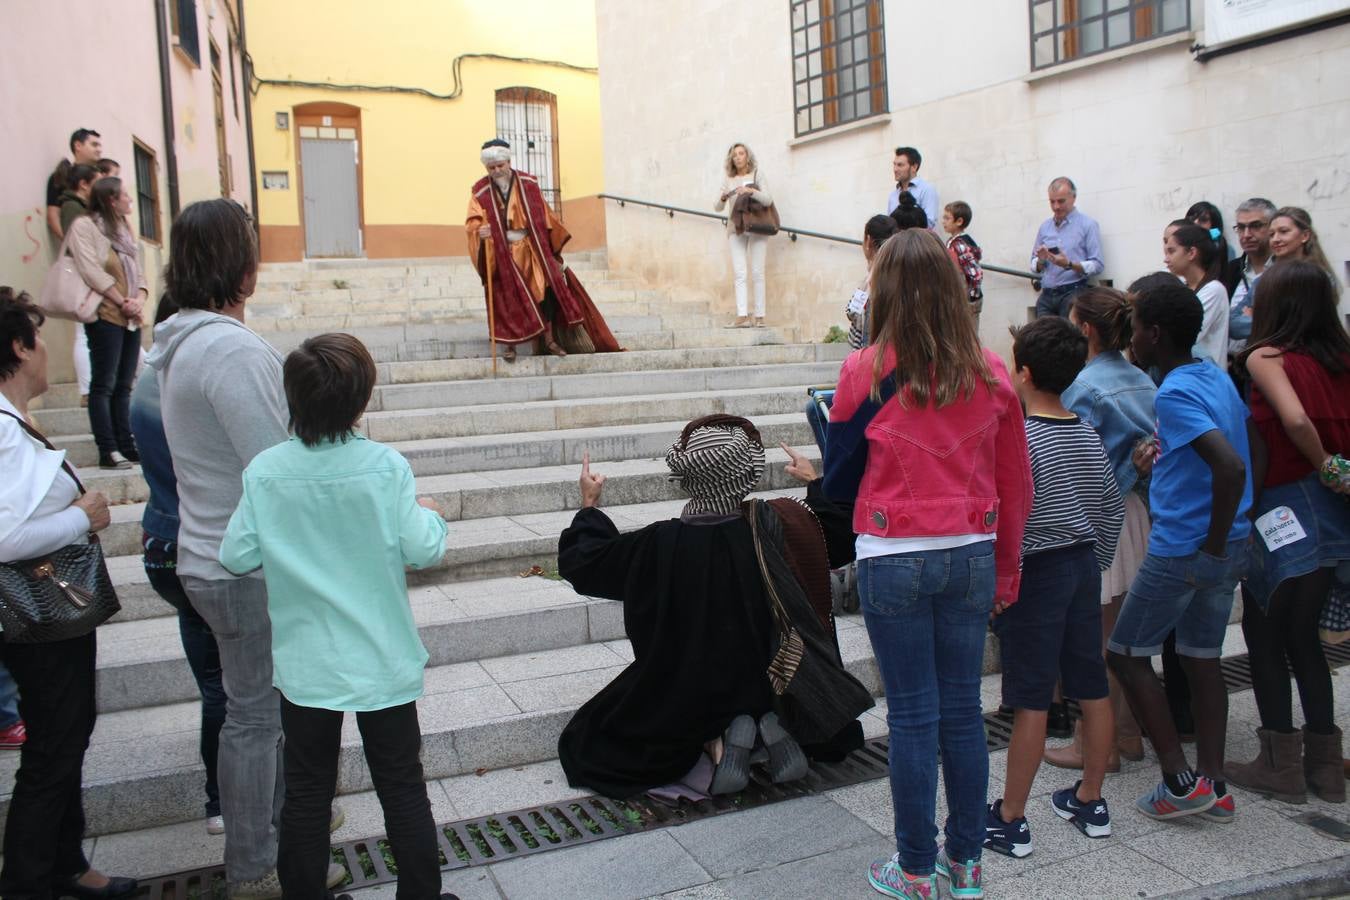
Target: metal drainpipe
248	115
166	106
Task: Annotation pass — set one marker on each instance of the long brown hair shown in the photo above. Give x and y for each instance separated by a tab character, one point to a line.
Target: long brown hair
1294	308
920	312
103	206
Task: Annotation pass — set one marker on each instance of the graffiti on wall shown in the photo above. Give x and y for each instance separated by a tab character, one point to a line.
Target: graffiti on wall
28	220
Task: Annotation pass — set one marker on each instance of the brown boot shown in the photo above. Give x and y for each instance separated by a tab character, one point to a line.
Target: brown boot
1277	770
1323	765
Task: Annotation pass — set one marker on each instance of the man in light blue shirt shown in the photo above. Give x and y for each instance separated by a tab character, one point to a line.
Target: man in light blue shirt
1068	251
905	167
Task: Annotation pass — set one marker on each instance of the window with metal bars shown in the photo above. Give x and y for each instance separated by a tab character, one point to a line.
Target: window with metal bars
147	191
527	119
1065	30
838	62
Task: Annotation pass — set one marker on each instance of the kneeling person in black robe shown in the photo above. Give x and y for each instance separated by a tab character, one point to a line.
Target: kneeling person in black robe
705	630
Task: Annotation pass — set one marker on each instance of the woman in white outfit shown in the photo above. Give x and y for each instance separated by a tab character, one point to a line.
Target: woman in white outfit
742	176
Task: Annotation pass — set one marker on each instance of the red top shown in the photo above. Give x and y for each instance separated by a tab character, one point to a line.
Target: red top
1326	400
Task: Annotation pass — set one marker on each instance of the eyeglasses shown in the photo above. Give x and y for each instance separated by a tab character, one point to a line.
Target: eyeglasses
1250	226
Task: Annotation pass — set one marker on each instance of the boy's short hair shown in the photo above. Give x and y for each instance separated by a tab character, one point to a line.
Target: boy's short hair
328	380
960	209
1055	351
1174	308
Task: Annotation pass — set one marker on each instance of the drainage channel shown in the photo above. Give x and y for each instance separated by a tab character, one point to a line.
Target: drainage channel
572	823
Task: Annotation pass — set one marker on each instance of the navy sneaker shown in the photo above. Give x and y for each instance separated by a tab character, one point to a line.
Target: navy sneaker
1009	838
1092	818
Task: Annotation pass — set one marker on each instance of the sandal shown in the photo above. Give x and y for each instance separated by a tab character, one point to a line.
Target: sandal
509	354
787	762
555	349
733	772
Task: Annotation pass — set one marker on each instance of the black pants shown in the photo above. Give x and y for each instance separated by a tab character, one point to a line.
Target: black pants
392	741
46	812
113	354
1286	637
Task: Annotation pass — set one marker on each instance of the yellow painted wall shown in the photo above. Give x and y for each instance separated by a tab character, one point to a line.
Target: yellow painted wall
420	155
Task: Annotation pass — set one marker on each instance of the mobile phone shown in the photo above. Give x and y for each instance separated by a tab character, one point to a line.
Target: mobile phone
1053	249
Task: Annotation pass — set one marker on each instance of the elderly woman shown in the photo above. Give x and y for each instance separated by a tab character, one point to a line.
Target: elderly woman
42	510
699	595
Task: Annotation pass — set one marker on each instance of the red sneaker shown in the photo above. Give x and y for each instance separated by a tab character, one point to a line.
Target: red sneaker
12	738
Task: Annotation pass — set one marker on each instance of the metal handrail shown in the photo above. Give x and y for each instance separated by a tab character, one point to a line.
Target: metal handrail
792	233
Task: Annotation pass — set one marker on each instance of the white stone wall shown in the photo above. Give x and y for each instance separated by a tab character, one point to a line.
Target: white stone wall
1143	136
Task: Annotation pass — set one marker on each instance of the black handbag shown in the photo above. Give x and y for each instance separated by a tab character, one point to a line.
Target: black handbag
63	595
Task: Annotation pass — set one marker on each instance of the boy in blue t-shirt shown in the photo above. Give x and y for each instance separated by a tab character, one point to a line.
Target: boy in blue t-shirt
1199	497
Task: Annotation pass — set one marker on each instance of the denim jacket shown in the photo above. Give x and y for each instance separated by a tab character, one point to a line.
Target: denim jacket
1115	398
160	518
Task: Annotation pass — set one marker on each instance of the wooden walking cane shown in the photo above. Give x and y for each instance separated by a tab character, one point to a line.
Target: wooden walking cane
492	331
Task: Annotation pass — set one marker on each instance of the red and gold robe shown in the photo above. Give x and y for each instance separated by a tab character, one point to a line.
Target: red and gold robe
523	272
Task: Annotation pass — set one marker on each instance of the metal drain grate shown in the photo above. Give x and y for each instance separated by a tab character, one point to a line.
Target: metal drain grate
571	823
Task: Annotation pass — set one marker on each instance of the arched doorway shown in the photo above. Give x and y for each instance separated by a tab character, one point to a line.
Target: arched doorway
328	149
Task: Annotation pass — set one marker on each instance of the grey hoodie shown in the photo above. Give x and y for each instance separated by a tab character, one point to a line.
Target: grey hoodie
222	403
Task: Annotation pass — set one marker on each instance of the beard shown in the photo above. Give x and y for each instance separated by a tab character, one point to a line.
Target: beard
503	182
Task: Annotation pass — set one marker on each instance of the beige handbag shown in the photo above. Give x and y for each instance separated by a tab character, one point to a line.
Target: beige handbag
65	295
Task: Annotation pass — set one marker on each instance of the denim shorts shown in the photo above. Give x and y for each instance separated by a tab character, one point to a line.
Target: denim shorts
1192	594
1324	517
1054	630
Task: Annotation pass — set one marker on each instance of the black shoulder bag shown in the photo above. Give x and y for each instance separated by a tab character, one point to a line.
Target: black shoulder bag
64	595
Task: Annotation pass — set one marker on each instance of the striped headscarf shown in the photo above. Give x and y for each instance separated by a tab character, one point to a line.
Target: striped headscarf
717	461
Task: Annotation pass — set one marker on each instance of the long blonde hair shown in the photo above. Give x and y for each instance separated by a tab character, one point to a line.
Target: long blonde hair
749	160
920	311
1312	250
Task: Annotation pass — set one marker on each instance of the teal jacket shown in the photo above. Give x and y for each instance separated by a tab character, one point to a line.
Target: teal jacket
332	527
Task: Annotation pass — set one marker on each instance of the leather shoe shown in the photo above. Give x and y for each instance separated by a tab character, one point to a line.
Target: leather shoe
117	886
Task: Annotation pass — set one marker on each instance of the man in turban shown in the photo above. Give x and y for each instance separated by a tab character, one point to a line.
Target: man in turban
703	698
515	242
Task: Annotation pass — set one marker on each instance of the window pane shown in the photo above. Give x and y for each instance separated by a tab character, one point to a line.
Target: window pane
798	15
1043	51
803	97
817	90
813	10
844	55
860	48
1118	30
1043	16
864	104
813	64
799	69
845	81
1117	4
813	37
847	111
798	43
817	117
1175	15
803	121
859	21
1087	8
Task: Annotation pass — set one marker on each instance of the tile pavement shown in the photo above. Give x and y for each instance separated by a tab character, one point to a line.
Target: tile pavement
819	846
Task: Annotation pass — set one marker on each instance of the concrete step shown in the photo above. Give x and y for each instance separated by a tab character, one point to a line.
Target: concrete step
546	415
500	493
472	391
485	712
482	455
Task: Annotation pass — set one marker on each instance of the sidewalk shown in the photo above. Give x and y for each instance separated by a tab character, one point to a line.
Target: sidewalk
819	847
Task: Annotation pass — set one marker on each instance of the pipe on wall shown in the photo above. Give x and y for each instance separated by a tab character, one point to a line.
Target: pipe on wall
166	105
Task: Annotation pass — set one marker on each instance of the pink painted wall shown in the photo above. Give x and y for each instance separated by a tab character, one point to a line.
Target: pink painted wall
70	64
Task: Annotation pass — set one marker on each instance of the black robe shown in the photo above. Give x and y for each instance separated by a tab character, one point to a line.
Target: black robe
696	613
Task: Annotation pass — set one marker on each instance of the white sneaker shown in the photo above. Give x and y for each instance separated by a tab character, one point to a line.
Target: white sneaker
215	824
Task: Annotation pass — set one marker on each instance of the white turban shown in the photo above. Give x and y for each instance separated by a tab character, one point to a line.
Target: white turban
495	153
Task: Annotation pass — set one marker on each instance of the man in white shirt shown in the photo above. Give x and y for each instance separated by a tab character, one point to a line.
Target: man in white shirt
905	168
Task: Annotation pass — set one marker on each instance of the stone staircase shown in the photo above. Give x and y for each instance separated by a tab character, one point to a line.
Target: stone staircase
511	657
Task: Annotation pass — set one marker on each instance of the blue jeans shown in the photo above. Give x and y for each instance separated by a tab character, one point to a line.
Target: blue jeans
818	418
249	759
1191	594
1056	301
9	698
927	614
199	646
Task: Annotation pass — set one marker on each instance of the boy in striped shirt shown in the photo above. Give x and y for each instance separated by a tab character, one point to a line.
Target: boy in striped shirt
1053	631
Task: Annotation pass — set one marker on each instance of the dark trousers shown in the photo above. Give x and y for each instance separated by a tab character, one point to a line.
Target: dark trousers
392	741
46	812
1056	301
199	646
113	354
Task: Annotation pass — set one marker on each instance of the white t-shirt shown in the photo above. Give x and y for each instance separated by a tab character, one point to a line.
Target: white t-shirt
1212	343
